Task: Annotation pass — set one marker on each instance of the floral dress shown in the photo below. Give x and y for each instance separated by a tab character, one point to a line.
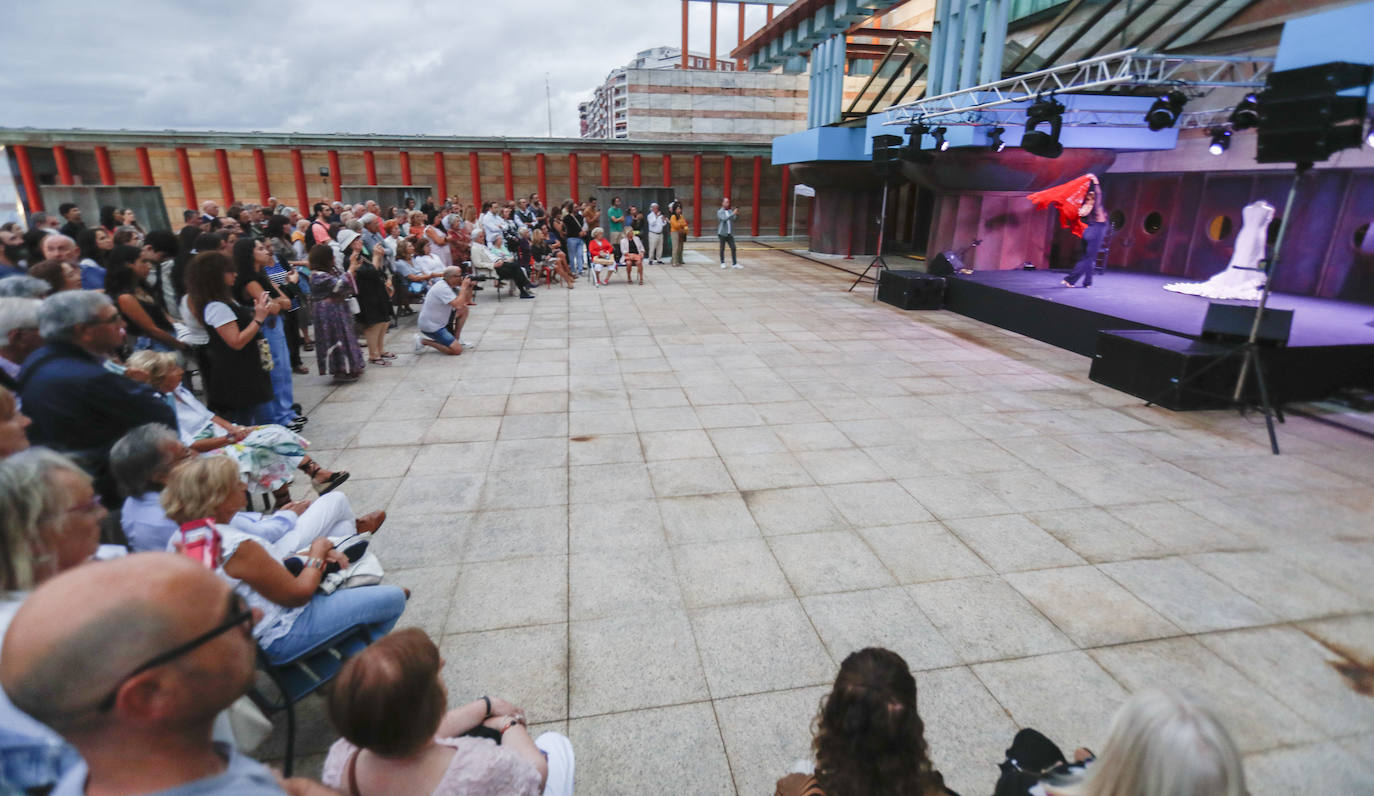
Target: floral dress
336	343
267	457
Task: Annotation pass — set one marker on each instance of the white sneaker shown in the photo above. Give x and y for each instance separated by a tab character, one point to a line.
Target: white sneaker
723	266
419	346
736	266
466	344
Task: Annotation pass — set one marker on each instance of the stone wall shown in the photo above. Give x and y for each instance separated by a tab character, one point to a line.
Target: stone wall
692	104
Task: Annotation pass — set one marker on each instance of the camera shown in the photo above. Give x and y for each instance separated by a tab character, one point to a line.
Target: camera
479	277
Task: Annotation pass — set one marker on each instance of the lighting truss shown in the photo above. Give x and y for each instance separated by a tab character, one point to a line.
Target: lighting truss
1125	69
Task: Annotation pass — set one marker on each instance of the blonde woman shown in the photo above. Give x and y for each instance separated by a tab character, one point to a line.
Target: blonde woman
603	257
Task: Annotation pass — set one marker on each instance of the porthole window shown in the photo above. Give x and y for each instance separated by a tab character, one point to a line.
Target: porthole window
1361	239
1153	223
1117	218
1220	228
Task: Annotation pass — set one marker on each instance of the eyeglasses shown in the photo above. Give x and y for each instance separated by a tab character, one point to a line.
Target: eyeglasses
238	614
88	507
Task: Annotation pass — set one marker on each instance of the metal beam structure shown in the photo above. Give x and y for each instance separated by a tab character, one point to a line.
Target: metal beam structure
801	27
1126	69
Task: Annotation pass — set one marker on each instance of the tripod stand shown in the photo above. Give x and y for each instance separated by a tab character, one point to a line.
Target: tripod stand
878	260
1250	351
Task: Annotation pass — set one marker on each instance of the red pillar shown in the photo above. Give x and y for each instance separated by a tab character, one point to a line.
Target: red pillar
770	12
188	186
572	170
786	199
145	166
335	175
226	183
302	193
264	189
696	194
638	180
727	182
476	180
541	179
440	178
35	199
739	62
64	168
754	196
605	169
370	164
102	162
667	171
405	169
711	64
507	176
684	34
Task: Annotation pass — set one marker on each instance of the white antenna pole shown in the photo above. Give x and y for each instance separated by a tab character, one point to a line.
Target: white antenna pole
548	103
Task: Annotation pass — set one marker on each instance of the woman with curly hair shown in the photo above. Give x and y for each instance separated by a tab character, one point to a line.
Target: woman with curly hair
869	738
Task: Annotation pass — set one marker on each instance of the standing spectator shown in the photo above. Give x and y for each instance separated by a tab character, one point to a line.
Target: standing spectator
656	224
449	296
13	422
74	226
95	245
336	344
726	231
524	214
209	211
677	224
130	219
161	247
13	255
635	219
126	282
615	217
251	286
111	218
238	383
576	242
18	337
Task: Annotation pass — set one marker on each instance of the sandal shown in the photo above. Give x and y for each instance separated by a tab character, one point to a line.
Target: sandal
302	370
308	346
388	355
329	484
380	362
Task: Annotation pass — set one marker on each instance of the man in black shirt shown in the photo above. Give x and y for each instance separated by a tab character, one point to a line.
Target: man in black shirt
74	226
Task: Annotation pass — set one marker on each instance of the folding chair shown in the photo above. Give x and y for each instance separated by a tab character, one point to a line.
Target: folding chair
303	675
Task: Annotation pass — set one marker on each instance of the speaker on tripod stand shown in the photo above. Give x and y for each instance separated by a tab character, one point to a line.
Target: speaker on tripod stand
887	162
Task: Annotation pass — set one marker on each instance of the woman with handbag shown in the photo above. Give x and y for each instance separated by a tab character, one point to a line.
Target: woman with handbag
251	258
368	270
240	359
202	495
677	223
333	291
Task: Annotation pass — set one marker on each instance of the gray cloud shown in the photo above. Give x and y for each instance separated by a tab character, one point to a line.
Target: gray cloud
392	66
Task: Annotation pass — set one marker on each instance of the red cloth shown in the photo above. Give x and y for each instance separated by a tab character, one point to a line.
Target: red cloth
1069	197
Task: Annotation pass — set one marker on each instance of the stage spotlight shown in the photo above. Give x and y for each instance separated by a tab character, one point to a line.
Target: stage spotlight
995	139
1045	145
939	135
1221	140
1165	110
912	151
1246	114
1369	138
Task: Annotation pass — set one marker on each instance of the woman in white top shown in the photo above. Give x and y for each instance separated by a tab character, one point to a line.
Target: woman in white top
438	238
295	617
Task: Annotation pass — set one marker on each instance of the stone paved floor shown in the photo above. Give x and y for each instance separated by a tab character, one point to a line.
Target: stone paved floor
659	517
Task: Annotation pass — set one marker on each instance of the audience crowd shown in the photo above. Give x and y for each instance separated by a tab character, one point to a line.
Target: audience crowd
146	401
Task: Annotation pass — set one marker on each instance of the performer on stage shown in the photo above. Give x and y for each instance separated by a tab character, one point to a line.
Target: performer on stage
1082	212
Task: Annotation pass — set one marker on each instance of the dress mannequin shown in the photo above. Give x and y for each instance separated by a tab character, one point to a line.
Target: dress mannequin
1235	282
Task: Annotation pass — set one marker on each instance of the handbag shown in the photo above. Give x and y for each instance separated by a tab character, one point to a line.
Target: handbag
353	306
203	546
265	355
364	568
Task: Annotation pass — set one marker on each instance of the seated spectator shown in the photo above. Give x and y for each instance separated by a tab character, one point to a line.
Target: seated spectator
266	455
128	236
499	259
459	238
24	287
95	245
449	296
545	256
869	737
389	704
18	337
424	269
1162	743
13	424
126	282
77	405
59	274
13	257
295	617
632	254
143	459
87	655
603	260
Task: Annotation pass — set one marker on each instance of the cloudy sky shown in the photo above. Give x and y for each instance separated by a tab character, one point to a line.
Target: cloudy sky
455	67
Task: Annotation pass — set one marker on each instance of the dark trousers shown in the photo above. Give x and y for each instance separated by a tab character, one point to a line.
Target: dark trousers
515	274
730	239
291	325
1092	244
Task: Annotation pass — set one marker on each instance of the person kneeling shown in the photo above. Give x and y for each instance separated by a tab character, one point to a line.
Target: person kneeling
452	294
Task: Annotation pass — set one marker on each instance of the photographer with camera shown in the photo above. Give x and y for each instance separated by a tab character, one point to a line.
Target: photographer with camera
449	295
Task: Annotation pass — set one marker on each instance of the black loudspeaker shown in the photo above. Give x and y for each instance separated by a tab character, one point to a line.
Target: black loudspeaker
887	155
1232	322
1150	364
946	263
911	290
1302	117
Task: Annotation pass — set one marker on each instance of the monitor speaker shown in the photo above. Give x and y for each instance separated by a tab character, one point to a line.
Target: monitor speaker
1232	323
1304	119
946	263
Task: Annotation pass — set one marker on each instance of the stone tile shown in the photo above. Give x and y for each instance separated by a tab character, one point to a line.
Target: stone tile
965	728
1096	535
527	665
1011	542
391	432
498	534
721	573
599	423
1090	608
840	466
658	398
1178	529
663	445
766	733
1316	768
745	441
601	482
949	497
728	416
766	470
1071	723
798	510
372	462
610	527
876	503
462	429
1187	596
666	419
678	477
604	449
622	753
510	593
1277	583
431	596
1349	636
923	551
529	454
633	662
831	561
530	426
706	518
435	494
888	618
620	583
1028	490
739	646
1255	719
977	615
799	437
453	457
525	489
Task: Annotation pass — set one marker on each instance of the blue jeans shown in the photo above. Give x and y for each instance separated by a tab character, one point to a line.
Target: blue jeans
577	255
328	615
1092	244
278	410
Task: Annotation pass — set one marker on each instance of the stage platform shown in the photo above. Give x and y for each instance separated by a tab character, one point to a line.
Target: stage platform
1331	345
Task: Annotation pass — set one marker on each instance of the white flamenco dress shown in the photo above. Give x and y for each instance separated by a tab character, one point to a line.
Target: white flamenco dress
1236	281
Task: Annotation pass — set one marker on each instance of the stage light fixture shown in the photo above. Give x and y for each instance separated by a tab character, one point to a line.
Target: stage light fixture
939	135
1246	114
912	151
1369	138
1221	140
1165	110
1036	142
995	139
